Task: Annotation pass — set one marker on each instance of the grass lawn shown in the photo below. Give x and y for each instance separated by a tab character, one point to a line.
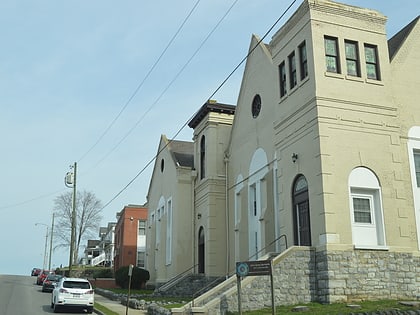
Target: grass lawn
104	310
338	308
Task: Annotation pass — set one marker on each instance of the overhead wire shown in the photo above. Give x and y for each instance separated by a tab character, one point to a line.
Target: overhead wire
140	85
170	83
209	98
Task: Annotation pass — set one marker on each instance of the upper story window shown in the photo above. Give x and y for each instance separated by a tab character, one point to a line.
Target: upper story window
303	61
203	157
292	70
372	64
352	58
331	54
282	74
142	227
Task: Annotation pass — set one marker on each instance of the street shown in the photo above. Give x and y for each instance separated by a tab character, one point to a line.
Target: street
19	295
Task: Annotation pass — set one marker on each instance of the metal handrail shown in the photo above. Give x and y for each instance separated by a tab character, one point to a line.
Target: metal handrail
175	279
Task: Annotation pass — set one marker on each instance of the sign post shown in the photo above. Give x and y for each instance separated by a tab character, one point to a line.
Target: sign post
130	273
255	268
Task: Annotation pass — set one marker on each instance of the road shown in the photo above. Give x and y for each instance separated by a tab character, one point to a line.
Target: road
19	295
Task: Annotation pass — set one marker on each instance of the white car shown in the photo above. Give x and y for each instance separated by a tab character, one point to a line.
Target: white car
73	293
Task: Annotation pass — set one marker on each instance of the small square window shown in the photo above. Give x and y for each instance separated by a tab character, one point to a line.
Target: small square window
362	210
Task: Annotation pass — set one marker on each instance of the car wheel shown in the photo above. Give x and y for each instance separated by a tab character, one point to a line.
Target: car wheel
56	309
89	310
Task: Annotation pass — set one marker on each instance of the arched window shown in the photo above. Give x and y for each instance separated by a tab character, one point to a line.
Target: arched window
301	215
202	157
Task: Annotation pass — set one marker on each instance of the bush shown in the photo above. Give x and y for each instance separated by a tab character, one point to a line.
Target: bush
138	279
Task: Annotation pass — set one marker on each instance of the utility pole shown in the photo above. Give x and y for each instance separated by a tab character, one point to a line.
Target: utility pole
70	181
51	241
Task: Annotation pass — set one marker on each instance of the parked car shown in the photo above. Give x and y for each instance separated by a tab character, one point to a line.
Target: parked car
41	277
50	282
75	293
35	271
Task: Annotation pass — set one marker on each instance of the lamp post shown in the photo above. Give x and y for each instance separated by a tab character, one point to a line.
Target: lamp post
70	182
45	247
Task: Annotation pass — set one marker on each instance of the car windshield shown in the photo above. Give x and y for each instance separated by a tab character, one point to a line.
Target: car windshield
76	285
54	277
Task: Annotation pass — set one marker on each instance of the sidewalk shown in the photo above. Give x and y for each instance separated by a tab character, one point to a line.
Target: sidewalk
116	306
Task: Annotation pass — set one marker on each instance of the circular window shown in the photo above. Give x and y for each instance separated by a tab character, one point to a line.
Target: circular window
162	165
256	106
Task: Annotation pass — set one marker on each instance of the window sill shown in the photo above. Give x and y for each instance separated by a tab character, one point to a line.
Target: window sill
334	75
375	82
354	78
372	247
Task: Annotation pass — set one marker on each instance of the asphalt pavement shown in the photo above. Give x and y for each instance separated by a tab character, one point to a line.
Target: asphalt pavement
116	306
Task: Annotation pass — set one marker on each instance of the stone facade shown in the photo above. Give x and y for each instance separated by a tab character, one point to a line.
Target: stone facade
302	275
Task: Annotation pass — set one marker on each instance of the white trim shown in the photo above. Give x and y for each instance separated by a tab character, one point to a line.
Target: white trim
413	143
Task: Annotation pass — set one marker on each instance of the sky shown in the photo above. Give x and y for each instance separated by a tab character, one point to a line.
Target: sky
98	82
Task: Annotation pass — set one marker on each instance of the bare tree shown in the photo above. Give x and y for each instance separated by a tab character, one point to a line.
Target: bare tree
88	219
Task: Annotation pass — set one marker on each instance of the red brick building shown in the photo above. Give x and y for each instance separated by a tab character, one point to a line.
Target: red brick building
130	237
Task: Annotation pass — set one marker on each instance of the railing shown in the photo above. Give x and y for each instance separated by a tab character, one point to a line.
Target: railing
98	259
202	290
175	279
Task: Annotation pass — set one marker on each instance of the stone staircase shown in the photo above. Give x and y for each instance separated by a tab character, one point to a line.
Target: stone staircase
190	285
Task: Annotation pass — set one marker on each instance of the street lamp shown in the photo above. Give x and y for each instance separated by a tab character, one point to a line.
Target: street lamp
70	182
45	248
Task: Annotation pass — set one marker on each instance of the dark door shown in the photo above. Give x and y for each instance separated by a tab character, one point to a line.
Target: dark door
201	251
301	215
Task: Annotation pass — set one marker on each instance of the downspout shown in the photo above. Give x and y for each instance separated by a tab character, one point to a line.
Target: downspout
226	161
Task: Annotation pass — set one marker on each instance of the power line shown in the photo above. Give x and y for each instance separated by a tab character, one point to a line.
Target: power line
217	89
142	82
139	86
169	84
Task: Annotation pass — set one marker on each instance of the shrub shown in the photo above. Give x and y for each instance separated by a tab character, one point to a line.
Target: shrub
138	279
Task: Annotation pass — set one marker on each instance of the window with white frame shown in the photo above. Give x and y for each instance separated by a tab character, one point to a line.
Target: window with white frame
141	259
169	232
142	227
362	208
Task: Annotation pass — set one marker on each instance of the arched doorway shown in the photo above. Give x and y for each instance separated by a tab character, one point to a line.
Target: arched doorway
301	216
201	250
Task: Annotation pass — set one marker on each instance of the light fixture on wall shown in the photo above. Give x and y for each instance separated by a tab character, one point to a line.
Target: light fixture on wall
294	157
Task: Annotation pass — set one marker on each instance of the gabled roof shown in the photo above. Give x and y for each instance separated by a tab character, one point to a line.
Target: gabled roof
398	39
182	152
210	106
